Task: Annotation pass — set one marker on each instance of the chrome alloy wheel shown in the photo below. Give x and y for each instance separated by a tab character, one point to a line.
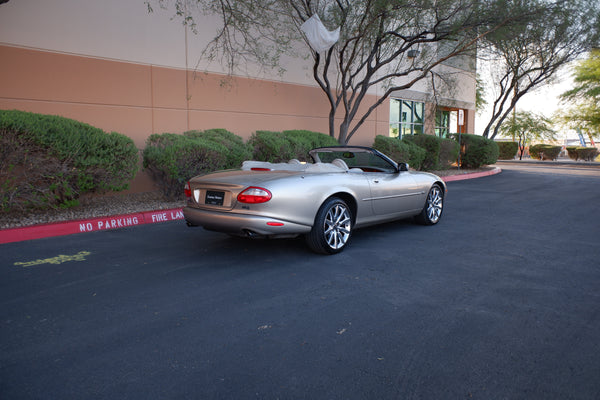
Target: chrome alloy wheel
435	202
337	226
332	228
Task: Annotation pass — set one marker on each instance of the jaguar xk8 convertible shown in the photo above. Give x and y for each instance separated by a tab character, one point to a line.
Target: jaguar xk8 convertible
344	188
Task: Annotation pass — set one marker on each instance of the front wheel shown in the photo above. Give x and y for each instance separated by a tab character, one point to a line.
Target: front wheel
434	205
332	228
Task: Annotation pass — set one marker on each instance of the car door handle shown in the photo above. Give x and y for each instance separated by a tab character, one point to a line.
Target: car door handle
376	181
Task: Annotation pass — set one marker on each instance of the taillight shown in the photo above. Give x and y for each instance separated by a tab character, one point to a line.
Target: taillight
254	195
187	190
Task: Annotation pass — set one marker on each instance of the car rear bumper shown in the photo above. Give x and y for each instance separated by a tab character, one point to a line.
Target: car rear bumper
243	224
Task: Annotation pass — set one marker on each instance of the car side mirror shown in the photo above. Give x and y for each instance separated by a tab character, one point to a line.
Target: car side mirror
403	166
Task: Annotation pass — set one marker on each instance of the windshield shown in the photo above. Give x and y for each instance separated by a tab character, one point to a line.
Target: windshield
359	158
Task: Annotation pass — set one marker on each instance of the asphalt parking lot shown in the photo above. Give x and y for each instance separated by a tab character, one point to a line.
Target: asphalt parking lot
500	300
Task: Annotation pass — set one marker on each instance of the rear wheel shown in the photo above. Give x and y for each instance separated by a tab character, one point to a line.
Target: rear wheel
332	228
434	205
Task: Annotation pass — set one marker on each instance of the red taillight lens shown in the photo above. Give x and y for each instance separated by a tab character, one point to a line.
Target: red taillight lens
187	190
254	195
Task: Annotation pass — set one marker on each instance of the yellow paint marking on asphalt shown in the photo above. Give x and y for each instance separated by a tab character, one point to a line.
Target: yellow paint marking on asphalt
61	258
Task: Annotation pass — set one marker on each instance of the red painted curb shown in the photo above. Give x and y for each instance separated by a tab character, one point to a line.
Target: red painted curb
88	225
474	175
141	218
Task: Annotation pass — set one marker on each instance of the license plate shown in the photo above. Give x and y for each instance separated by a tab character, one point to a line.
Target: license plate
214	198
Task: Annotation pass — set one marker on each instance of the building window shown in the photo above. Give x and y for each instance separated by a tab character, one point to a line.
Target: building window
406	117
447	121
442	123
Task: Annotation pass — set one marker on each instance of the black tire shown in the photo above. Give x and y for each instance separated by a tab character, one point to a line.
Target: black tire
433	208
332	228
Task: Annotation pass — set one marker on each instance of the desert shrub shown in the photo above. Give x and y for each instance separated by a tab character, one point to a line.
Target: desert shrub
582	153
400	151
448	153
572	152
432	147
440	152
477	151
270	146
587	153
283	146
310	139
507	150
544	151
49	161
238	151
172	159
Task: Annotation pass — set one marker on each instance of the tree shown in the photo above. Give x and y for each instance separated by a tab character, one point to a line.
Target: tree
585	97
526	127
525	57
385	44
480	101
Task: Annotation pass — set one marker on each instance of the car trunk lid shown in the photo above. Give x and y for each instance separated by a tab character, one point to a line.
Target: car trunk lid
219	190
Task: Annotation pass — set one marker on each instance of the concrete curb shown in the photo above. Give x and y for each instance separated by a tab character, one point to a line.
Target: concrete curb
121	221
462	177
88	225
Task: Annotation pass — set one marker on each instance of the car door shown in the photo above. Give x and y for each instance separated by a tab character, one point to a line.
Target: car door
394	193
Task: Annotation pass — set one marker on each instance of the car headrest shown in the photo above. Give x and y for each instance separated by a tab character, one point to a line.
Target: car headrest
338	162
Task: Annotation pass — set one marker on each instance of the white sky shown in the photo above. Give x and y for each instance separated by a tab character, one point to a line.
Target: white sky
544	100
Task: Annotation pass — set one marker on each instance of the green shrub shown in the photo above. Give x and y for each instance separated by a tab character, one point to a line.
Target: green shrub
283	146
572	152
448	153
49	161
507	150
173	159
582	153
432	146
440	152
271	146
477	151
588	153
544	151
400	151
311	140
237	150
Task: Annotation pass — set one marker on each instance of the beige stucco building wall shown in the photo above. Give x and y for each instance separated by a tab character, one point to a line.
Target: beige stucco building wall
116	66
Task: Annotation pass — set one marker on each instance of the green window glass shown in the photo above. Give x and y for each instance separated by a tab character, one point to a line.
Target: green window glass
442	123
406	117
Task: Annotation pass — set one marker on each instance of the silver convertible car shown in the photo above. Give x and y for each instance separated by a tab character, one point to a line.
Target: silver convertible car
344	188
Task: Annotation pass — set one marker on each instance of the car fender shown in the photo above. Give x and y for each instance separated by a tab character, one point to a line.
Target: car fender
300	198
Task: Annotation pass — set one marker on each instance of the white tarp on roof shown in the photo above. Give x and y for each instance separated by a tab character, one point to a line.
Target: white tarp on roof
319	38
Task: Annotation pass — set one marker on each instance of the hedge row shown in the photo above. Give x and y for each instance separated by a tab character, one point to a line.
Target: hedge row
283	146
421	152
582	153
477	151
544	151
48	161
401	150
507	150
172	159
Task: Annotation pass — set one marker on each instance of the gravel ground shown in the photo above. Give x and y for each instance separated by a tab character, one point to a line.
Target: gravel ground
117	204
